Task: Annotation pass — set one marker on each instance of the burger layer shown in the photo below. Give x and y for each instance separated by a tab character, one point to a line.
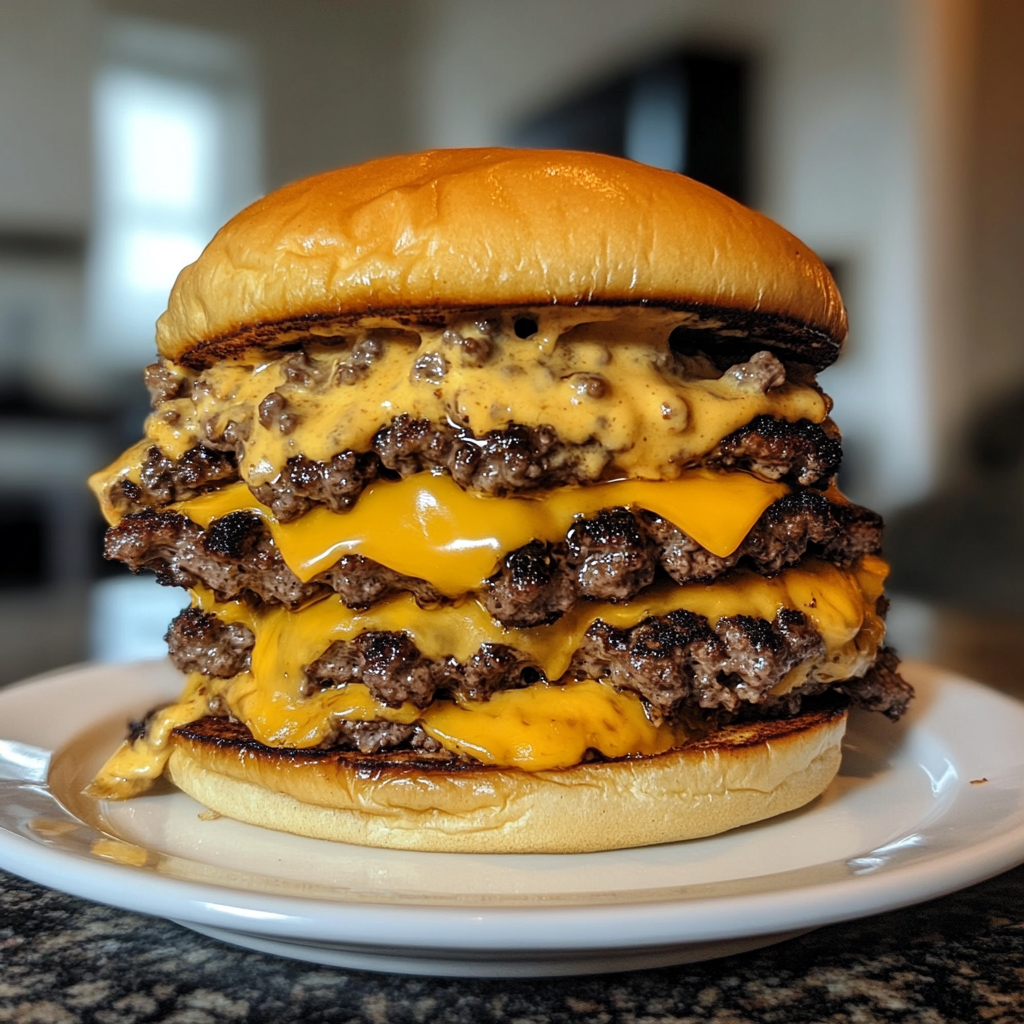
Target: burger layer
615	679
518	460
678	663
838	604
589	395
610	554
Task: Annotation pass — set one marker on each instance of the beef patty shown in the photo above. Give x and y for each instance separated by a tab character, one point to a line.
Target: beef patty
512	461
678	663
610	556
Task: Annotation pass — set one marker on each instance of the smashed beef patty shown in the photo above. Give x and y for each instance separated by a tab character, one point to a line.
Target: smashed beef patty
504	462
678	663
610	556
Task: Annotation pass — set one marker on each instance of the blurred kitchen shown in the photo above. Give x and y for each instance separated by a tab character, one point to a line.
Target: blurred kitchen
888	134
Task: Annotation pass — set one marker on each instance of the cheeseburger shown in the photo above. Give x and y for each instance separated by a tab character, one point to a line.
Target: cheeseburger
505	495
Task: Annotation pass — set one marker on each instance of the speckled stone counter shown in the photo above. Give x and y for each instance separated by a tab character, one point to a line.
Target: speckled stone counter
957	959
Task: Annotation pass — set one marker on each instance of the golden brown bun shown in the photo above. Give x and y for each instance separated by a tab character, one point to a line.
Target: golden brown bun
741	774
410	237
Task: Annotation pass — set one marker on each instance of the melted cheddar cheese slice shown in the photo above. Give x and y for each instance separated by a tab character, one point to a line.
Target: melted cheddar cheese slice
428	527
545	726
535	728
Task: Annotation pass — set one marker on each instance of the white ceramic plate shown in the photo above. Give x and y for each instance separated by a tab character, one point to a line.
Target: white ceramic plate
908	818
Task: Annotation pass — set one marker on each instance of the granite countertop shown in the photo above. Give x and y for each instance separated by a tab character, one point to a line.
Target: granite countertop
956	959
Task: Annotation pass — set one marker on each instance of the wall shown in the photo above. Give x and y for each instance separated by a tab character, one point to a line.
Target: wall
47	55
336	83
46	61
335	76
992	346
335	89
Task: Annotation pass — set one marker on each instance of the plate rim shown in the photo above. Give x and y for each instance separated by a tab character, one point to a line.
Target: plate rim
370	924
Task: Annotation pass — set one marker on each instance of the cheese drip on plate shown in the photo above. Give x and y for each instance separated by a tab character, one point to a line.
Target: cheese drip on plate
271	702
428	527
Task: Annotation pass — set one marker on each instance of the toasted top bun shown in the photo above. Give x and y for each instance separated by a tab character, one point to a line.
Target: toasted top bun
738	775
409	238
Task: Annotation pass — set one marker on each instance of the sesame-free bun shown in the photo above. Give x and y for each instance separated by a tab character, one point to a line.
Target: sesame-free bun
738	775
415	238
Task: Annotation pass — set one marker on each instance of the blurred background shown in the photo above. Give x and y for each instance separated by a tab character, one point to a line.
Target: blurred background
888	134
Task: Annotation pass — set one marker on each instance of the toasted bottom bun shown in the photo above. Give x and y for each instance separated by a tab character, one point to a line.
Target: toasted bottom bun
738	775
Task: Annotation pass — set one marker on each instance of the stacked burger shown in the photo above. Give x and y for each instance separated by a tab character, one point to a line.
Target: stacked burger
505	494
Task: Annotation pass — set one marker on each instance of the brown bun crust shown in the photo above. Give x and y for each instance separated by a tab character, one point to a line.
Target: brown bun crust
738	775
416	237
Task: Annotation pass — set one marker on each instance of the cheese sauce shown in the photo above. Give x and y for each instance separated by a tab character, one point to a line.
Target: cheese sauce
611	379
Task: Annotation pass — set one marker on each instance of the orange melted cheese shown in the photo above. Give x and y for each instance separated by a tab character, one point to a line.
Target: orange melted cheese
544	726
428	527
539	727
535	728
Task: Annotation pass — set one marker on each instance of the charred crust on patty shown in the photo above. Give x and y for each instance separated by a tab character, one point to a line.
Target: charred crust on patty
534	586
231	536
801	453
304	483
163	480
373	737
199	642
610	557
679	659
361	582
348	745
407	445
388	663
881	688
237	557
523	458
502	462
381	751
394	671
492	668
239	560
